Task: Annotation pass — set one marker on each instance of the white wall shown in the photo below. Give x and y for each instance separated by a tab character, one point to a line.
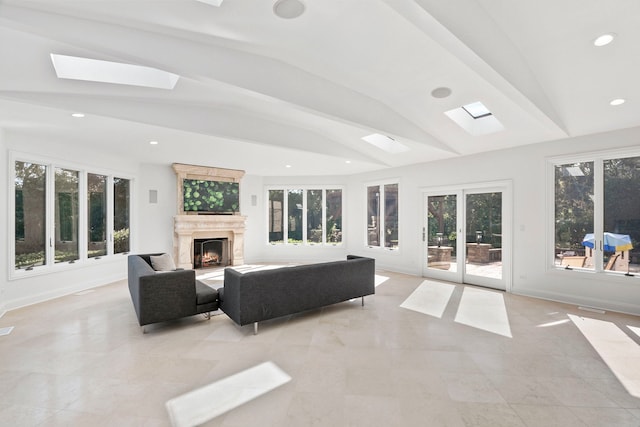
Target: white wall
4	238
155	220
261	251
525	167
66	279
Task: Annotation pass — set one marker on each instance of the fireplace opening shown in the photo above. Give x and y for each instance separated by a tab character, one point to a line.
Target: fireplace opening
210	253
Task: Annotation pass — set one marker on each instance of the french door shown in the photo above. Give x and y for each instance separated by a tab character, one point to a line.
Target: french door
466	235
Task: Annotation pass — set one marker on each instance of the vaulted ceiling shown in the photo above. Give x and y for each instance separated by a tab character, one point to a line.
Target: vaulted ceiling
258	92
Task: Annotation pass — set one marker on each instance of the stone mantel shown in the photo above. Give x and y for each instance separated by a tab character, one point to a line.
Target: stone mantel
190	227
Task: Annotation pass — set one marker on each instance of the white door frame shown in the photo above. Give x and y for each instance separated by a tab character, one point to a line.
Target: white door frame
506	188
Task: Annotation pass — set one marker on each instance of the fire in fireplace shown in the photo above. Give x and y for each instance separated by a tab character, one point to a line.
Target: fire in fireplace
210	253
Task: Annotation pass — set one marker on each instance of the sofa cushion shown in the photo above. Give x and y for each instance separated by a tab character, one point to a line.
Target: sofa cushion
205	294
163	262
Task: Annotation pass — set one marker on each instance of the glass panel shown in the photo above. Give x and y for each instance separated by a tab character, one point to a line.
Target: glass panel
294	203
66	215
314	216
121	223
574	193
441	232
373	216
391	216
30	215
334	216
97	215
622	214
484	235
276	216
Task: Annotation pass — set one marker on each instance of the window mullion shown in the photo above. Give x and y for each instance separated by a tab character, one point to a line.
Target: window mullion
50	215
110	214
83	224
381	216
285	217
598	213
304	216
324	216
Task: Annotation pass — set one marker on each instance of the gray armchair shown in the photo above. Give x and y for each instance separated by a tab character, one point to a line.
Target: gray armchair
167	295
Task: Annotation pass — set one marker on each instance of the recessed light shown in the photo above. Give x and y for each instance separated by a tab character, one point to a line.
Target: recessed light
78	115
288	9
347	161
287	166
604	39
617	101
153	142
441	92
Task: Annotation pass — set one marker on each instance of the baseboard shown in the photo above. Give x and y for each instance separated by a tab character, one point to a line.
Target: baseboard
60	292
599	304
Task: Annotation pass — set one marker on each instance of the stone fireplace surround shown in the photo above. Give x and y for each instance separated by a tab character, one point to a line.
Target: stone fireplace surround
189	225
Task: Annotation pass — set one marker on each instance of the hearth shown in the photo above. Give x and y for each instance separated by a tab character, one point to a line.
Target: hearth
210	253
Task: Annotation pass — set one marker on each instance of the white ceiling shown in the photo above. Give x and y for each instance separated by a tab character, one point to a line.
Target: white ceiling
258	92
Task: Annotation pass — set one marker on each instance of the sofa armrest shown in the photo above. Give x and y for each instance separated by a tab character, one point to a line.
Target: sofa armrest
166	296
230	294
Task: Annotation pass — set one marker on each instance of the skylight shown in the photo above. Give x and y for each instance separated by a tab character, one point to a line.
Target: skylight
476	110
93	70
475	118
215	3
385	143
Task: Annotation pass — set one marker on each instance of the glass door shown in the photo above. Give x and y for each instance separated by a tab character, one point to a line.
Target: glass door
465	236
483	239
441	237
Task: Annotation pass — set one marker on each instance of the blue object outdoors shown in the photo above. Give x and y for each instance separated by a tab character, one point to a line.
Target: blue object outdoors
612	242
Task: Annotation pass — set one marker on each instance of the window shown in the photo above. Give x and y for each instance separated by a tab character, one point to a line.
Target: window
382	217
48	225
66	215
334	216
97	214
121	212
30	215
597	216
314	216
276	216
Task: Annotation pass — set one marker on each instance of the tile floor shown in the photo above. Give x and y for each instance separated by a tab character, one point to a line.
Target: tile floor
82	360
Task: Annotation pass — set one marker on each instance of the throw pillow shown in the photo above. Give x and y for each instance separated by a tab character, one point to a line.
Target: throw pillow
163	262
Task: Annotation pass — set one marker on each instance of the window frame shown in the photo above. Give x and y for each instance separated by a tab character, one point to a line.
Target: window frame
598	158
285	210
51	164
381	212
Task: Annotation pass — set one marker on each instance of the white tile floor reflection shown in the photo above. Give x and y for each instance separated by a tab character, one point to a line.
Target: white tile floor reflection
83	360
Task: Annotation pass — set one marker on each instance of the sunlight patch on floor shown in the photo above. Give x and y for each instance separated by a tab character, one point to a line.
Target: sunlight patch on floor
201	405
556	323
617	349
484	310
6	331
430	298
379	280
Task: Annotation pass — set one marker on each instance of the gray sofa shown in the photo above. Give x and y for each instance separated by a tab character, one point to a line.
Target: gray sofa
159	296
267	294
